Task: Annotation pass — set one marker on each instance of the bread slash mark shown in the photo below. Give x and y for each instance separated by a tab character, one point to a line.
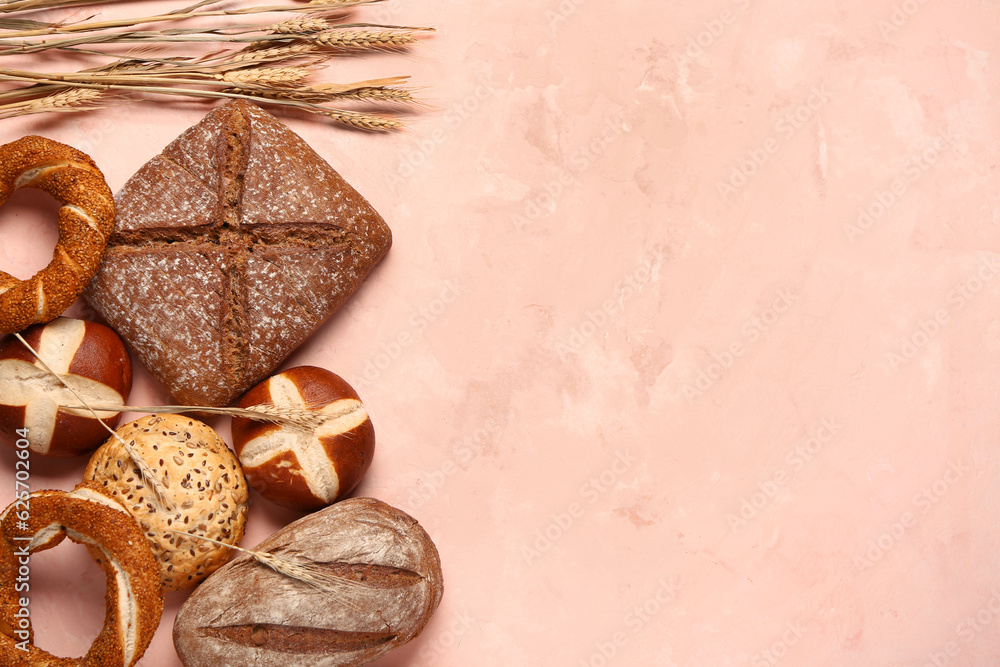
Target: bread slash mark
297	639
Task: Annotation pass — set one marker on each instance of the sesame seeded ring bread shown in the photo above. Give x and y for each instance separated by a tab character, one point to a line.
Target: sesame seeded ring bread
134	596
85	221
203	484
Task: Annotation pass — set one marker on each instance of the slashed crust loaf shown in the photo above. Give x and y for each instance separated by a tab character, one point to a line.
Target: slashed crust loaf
381	583
230	248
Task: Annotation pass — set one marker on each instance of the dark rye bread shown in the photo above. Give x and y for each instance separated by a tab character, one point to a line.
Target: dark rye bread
230	248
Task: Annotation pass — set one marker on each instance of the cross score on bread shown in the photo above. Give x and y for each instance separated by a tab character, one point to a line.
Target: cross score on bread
89	357
229	250
297	466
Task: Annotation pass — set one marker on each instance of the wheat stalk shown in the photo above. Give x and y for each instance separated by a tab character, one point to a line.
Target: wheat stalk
308	572
266	75
363	39
304	418
57	28
300	25
271	66
362	121
373	89
72	99
358	120
274	53
377	94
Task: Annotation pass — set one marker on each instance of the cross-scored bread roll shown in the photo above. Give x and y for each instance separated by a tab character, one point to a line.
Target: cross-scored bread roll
90	358
305	468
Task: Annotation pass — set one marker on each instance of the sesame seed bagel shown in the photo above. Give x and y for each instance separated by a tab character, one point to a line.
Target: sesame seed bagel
201	481
85	221
134	597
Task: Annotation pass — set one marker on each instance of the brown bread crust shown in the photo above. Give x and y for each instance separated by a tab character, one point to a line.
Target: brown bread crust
298	468
248	614
87	354
134	598
230	248
85	220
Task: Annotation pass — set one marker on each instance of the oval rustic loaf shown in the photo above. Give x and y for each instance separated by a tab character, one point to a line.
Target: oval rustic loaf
378	580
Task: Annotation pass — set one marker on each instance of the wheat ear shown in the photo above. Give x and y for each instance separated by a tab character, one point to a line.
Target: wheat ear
303	418
308	572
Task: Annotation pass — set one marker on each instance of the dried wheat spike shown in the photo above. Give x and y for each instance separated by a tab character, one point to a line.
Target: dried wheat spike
363	121
300	25
364	39
266	75
377	94
274	53
66	100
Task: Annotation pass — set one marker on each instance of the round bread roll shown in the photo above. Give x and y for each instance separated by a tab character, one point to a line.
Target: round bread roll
201	481
90	358
305	468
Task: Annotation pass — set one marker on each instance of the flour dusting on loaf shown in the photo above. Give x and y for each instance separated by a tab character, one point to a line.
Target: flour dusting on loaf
230	249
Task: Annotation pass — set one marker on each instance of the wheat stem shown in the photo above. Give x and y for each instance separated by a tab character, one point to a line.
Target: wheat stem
279	414
308	572
159	18
355	119
272	68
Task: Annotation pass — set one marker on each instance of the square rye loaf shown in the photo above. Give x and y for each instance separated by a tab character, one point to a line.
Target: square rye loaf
230	248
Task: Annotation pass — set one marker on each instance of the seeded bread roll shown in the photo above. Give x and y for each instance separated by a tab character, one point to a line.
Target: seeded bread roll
203	484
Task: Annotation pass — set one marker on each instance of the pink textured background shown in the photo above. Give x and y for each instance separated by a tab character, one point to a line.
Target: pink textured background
659	390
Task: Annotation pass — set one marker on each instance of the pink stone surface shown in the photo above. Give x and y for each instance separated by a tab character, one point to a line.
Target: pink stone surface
686	350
